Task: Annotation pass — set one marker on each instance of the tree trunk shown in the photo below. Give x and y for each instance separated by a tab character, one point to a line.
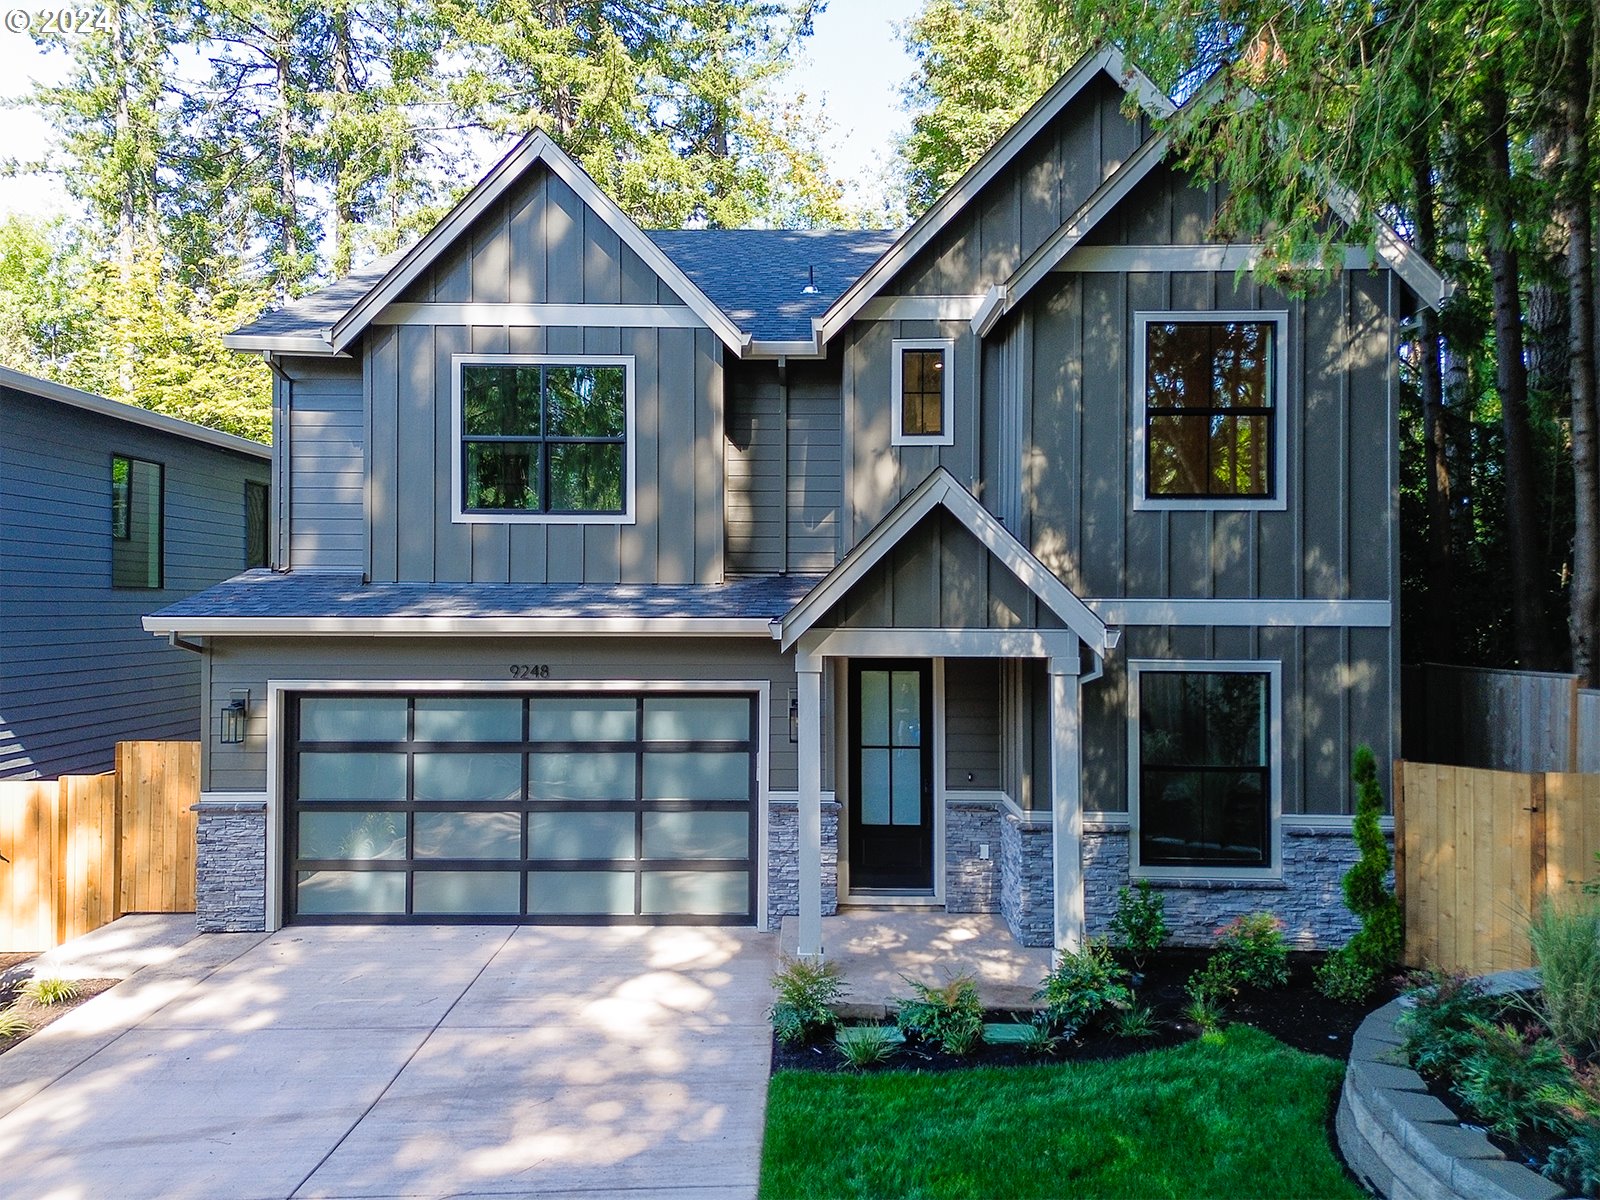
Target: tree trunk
1529	642
344	208
127	201
288	205
1576	215
1439	644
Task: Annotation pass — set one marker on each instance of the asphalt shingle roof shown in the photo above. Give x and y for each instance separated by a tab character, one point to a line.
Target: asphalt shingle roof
311	315
262	593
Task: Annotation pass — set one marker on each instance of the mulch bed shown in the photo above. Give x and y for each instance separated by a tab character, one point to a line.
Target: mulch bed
39	1015
1297	1015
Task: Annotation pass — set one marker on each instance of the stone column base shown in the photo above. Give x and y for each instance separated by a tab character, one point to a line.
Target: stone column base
231	866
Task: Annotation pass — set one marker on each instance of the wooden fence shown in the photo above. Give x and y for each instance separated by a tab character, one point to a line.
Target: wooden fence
84	849
1478	851
1501	720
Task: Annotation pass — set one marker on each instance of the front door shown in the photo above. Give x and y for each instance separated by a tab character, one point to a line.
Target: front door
891	776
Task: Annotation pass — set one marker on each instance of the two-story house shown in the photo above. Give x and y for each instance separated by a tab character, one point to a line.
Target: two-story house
705	575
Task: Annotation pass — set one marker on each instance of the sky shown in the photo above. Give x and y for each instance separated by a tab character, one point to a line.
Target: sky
853	65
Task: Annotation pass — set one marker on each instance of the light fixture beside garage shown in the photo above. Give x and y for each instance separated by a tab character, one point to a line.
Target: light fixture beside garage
794	717
234	717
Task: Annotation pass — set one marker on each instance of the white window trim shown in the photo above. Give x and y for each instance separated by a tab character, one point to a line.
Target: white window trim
1273	669
898	436
1280	392
458	513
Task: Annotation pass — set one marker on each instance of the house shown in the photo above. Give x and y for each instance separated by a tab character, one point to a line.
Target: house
728	575
106	511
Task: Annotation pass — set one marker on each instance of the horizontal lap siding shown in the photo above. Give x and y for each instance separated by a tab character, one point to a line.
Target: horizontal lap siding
541	244
325	449
77	671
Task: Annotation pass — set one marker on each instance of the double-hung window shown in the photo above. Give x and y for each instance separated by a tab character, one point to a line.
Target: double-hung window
543	438
137	515
1209	412
1203	767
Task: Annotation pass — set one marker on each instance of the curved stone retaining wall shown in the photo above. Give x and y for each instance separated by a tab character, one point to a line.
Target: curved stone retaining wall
1403	1144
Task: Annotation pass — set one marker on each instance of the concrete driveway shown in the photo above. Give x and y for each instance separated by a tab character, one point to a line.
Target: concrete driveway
404	1062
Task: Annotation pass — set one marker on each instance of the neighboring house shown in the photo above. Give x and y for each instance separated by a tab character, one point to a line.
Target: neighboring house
106	512
724	575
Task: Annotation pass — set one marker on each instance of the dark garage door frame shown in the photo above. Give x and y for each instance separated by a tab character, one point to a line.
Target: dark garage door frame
405	862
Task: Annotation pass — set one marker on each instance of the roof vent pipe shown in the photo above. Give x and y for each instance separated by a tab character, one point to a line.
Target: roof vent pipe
810	288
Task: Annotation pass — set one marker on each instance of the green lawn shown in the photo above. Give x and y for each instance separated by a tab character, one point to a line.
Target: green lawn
1236	1115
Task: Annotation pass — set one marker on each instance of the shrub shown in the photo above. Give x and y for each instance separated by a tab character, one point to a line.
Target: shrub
1505	1074
949	1016
1575	1164
1038	1039
1253	952
1140	922
1135	1022
1437	1028
13	1024
1566	941
807	992
867	1045
1353	972
50	991
1213	985
1084	986
1205	1014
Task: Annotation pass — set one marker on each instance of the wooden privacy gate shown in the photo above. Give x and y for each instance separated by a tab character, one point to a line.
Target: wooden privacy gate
1478	851
84	849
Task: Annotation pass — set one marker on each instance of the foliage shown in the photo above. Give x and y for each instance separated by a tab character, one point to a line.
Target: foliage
51	991
1212	987
1566	943
1038	1039
1140	922
867	1045
1592	886
806	993
1575	1164
1252	952
1503	1074
1436	1030
1204	1010
1136	1021
13	1024
1241	1116
1083	986
1352	972
949	1015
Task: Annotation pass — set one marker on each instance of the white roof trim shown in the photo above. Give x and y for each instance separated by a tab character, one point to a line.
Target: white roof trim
1430	285
535	148
978	177
457	626
282	343
131	413
941	488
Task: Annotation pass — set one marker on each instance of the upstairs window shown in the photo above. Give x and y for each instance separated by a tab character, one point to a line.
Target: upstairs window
255	524
923	387
1211	411
137	504
544	439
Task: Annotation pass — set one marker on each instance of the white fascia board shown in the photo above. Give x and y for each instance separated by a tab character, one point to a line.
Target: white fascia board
310	345
46	389
777	349
458	626
990	311
1260	613
1431	287
535	148
927	227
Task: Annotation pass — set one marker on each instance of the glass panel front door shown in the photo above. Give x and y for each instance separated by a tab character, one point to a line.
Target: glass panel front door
891	776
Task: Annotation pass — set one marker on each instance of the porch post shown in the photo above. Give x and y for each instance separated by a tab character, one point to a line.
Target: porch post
1066	808
808	672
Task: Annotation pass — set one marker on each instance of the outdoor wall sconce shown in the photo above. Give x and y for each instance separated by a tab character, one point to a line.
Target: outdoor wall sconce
794	717
234	717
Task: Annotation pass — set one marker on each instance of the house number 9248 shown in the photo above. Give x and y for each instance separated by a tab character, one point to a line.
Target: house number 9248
530	670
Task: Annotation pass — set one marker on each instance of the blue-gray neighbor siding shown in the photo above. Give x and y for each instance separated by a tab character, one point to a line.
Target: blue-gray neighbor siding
77	672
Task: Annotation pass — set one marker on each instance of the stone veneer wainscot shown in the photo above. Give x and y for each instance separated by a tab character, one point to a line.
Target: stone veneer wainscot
231	866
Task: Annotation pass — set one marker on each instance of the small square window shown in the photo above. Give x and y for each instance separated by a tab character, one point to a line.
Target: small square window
922	389
137	514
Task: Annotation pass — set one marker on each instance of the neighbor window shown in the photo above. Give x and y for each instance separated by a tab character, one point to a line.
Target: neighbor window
1210	409
1203	769
255	524
544	438
922	387
136	516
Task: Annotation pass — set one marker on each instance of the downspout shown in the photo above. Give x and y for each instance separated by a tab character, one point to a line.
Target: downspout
783	457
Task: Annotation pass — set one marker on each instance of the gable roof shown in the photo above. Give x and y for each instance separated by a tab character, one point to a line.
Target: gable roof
941	489
310	319
60	393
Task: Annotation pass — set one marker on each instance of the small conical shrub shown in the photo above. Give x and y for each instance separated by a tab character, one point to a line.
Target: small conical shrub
1352	972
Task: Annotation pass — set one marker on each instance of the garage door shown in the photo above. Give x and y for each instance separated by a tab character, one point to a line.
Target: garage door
557	808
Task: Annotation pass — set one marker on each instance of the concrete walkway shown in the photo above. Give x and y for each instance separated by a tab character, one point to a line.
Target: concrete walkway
404	1062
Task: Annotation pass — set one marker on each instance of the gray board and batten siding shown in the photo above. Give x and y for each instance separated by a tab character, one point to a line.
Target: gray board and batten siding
320	430
77	671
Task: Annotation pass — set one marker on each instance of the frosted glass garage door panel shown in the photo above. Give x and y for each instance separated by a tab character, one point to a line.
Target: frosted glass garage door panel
696	719
577	835
580	893
337	776
353	719
576	776
697	775
559	720
353	835
351	892
696	893
468	835
455	893
442	719
468	776
697	834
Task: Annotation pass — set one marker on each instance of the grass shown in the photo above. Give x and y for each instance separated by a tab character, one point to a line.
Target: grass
1236	1113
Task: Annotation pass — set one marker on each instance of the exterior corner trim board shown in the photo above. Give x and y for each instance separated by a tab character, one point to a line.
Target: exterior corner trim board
1350	614
459	626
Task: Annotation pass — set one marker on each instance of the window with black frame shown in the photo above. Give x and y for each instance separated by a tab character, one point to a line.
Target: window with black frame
255	524
1209	408
1205	785
137	517
544	438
